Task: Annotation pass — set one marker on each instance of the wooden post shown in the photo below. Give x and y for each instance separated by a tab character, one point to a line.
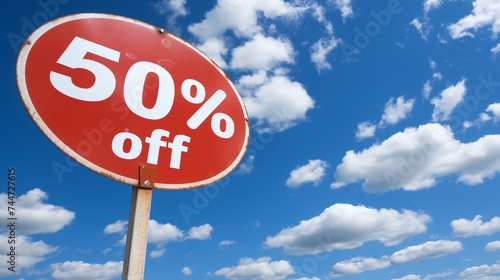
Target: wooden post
137	235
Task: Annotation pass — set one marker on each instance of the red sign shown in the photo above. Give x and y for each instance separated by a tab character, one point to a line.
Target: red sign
115	94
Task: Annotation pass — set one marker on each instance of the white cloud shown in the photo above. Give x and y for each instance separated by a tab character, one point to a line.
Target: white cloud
259	269
318	12
432	4
216	50
427	277
422	28
437	76
107	251
154	254
426	90
495	49
439	275
415	158
359	265
28	253
483	118
492	246
171	9
313	172
275	101
427	250
344	6
163	233
201	233
409	277
320	51
495	110
345	226
225	243
482	272
78	270
119	226
365	130
246	166
35	216
475	227
256	79
448	100
187	270
241	18
262	53
484	13
396	110
278	104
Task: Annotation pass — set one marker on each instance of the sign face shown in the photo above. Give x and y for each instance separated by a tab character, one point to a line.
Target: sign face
114	94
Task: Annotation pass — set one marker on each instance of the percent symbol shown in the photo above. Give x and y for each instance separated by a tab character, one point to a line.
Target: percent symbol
207	108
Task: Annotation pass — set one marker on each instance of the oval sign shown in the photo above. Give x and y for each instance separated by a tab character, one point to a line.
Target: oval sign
114	94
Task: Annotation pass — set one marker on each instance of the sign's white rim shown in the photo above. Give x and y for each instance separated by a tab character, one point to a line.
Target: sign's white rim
23	90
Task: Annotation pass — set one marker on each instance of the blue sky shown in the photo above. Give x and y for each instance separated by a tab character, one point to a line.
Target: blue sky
374	148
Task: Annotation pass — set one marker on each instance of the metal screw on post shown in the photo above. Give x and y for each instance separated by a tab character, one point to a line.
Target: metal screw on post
137	235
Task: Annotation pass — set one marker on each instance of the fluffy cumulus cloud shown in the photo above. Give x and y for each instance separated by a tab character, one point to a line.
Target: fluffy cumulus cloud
313	172
359	265
365	130
161	234
396	110
345	226
486	272
277	104
475	227
216	50
187	270
492	246
446	102
495	110
427	250
119	226
262	53
415	158
484	13
242	17
259	269
28	251
79	270
36	216
201	233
